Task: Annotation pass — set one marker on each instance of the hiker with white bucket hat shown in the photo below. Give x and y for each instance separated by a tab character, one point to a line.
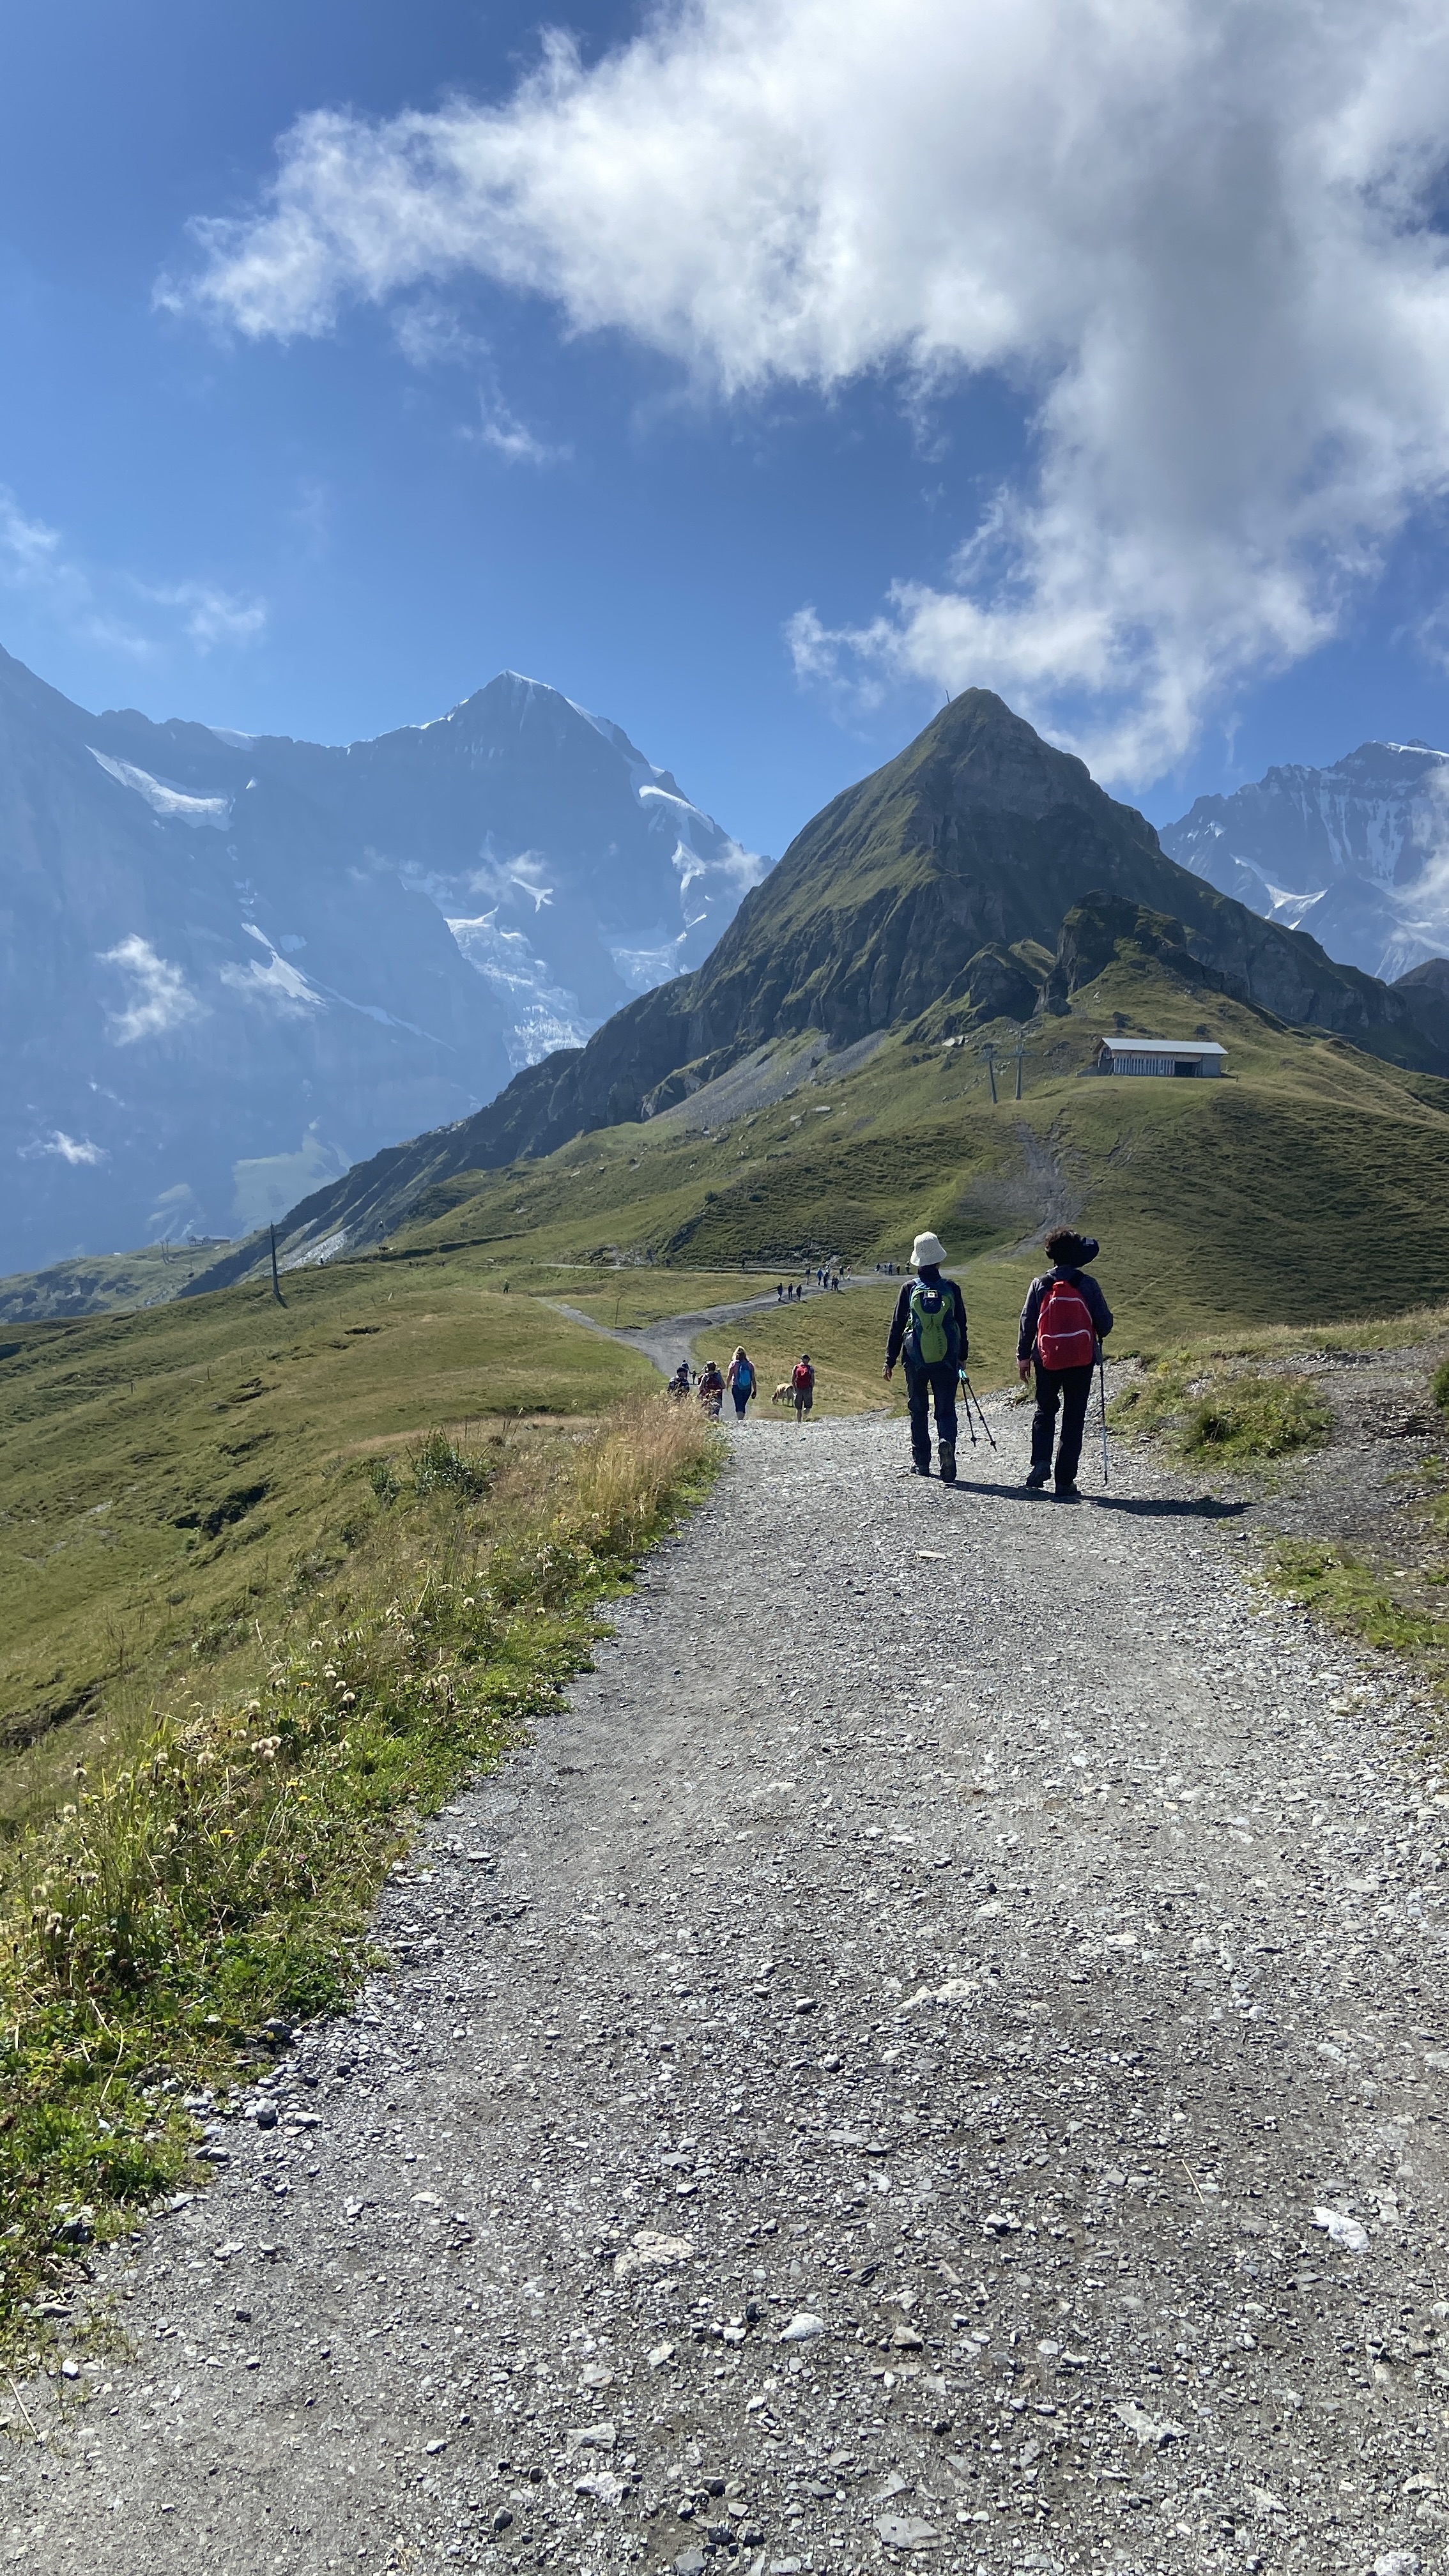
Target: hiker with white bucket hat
928	1333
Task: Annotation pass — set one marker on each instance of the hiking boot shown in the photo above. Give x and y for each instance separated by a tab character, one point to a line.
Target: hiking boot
1037	1479
1067	1493
918	1470
948	1466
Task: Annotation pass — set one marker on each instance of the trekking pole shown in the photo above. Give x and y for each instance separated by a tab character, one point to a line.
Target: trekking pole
970	1425
1102	1391
976	1400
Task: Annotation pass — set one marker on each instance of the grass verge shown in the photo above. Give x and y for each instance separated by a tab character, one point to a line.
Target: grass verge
1345	1592
190	1904
1231	1417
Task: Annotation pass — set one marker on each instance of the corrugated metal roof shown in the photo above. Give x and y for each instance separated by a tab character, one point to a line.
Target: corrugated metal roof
1163	1046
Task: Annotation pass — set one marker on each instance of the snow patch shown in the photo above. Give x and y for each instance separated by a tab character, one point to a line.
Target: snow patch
541	1015
174	804
282	986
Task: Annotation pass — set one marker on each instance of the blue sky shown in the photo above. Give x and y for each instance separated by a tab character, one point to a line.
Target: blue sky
540	399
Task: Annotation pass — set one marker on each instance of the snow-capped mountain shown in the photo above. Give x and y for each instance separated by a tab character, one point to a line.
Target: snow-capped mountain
1357	854
234	965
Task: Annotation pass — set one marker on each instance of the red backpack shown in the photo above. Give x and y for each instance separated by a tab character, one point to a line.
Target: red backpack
1066	1337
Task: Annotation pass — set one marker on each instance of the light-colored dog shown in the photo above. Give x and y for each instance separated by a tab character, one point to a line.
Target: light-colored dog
784	1394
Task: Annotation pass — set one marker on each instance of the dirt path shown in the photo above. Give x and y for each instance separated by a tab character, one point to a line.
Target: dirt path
858	2088
671	1341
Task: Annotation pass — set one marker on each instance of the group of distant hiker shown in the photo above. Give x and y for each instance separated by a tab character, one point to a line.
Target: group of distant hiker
740	1382
1059	1341
1063	1325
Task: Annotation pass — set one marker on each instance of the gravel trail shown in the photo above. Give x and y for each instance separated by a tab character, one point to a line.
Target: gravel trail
670	1341
865	2086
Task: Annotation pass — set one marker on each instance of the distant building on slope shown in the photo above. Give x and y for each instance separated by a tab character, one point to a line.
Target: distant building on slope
1197	1058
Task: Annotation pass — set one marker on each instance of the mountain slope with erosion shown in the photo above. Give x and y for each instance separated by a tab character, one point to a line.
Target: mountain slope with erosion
1358	852
235	966
944	877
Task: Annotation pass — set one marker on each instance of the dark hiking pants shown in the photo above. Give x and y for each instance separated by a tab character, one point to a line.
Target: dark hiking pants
933	1382
1071	1389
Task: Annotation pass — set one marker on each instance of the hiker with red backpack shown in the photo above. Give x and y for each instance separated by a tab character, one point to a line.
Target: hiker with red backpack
802	1386
928	1332
1064	1323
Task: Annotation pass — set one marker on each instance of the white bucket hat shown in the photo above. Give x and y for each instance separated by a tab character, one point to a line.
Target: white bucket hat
926	1249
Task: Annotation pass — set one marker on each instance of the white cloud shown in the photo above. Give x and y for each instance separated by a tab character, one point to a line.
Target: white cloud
1199	239
35	560
160	998
68	1149
431	334
211	616
507	436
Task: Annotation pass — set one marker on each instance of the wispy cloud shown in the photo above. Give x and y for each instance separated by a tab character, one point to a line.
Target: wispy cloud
211	616
36	562
159	998
509	437
67	1149
1201	240
431	333
33	560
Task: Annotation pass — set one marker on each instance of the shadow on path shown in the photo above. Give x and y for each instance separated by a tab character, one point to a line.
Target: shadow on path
1204	1507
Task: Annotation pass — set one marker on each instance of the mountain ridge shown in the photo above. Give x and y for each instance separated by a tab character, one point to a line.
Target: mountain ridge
1356	851
953	862
236	965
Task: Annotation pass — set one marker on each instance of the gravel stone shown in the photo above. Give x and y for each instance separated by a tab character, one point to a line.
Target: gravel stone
1118	1893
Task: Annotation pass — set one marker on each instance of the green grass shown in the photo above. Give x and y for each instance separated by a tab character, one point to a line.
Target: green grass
102	1283
1213	1412
217	1876
1340	1588
649	1296
1214	1200
170	1477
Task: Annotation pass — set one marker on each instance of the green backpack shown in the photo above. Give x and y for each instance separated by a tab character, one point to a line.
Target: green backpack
932	1328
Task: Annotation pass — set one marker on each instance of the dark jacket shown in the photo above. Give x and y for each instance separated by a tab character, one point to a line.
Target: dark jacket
1097	1306
900	1320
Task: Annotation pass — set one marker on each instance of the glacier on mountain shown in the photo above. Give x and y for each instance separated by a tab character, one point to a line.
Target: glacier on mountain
1357	853
236	963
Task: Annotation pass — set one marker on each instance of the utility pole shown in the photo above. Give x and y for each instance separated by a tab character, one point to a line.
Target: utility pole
1016	1057
276	1283
989	1052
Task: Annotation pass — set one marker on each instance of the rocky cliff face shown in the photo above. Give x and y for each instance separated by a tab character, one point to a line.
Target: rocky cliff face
1357	853
234	967
932	875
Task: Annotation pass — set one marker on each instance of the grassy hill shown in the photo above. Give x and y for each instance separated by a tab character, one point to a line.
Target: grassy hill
169	1472
102	1283
1303	1184
171	1476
